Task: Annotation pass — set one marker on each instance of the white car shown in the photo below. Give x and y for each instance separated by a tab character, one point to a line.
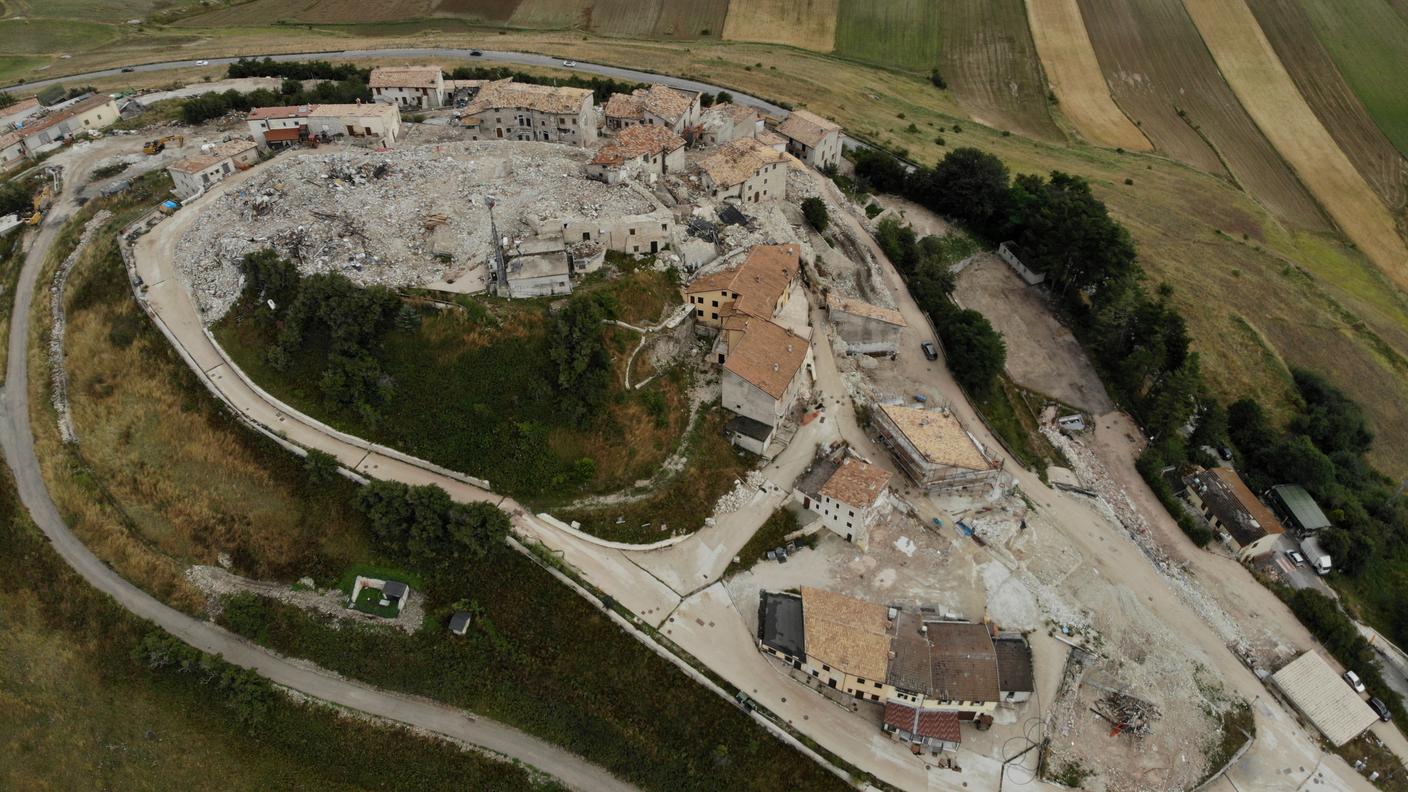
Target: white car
1354	681
202	63
569	64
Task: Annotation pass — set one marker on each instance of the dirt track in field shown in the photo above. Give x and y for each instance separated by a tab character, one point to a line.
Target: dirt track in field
1266	89
1158	67
990	60
1074	74
1289	30
809	24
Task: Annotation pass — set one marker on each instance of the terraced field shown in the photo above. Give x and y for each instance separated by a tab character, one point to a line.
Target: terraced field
1369	43
1289	30
991	64
903	33
1073	72
809	24
1160	72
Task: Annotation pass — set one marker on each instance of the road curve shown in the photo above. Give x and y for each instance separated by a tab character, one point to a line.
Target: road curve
17	440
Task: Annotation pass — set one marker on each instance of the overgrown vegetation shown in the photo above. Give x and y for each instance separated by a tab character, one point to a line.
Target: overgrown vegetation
425	526
298	70
199	109
814	210
770	535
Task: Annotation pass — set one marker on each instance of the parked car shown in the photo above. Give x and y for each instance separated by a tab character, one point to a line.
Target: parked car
1225	452
930	351
1296	557
1381	708
1354	681
126	69
202	63
569	64
475	54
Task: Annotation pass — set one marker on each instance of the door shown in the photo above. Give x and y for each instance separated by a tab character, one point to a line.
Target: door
654	247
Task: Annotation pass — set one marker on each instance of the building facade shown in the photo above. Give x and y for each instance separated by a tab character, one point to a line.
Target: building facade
812	139
641	234
505	110
867	329
744	169
760	286
275	126
86	113
409	87
658	105
640	152
851	499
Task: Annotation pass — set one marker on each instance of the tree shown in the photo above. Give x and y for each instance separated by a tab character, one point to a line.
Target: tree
879	170
6	99
976	352
938	80
969	185
1331	419
14	197
1065	232
320	466
814	209
581	361
426	526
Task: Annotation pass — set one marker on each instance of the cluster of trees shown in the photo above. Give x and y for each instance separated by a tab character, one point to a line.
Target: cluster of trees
202	108
814	210
298	70
15	197
327	312
601	87
581	361
709	100
249	695
423	525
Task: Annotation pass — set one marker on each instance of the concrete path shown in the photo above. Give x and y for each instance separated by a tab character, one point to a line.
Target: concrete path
17	440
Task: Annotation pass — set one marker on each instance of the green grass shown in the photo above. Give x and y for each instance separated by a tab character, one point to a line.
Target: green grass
53	36
1008	415
13	67
369	601
81	713
1369	43
473	392
379	571
902	33
769	535
542	659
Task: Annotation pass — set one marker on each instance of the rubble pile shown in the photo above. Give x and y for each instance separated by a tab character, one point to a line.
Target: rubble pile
399	218
740	495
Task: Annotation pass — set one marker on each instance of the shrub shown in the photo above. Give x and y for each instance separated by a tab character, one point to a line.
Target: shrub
814	209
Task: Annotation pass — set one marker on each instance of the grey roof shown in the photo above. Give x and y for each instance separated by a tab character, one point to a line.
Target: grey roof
1328	701
780	623
1014	665
909	666
394	588
1300	507
748	427
460	621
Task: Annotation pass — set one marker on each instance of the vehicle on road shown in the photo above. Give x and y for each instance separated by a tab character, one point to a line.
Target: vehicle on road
202	63
126	69
1354	681
569	64
475	54
1296	557
1316	555
1381	708
930	351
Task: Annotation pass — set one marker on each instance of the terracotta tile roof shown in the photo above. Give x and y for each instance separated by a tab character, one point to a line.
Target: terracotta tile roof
196	163
964	663
282	111
910	665
856	483
933	724
658	100
363	110
770	138
937	435
767	272
21	106
847	634
405	77
1233	504
737	113
738	160
768	356
807	128
635	141
507	94
9	139
865	309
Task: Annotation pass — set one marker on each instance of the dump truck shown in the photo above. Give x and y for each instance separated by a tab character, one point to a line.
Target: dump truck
1316	555
159	145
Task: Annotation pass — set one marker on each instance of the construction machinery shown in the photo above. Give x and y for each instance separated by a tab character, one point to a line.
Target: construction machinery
42	199
159	145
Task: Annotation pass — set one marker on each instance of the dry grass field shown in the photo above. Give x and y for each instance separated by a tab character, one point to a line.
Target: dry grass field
1369	43
991	63
1074	75
809	24
549	14
1162	75
487	10
900	33
1287	26
1250	65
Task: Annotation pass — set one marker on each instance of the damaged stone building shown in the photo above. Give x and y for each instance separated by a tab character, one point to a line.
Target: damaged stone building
506	110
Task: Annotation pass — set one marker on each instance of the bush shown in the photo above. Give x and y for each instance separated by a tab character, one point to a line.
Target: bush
814	209
937	80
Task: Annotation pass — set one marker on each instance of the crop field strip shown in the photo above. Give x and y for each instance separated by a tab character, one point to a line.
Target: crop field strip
1369	43
1161	73
901	33
1288	28
488	10
1270	96
990	61
1073	72
809	24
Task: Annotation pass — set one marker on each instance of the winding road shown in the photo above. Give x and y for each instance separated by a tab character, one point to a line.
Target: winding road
17	440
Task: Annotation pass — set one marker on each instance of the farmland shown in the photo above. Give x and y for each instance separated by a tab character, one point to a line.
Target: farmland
991	63
1074	75
1250	65
902	33
1288	28
1369	43
810	24
52	36
487	10
1161	73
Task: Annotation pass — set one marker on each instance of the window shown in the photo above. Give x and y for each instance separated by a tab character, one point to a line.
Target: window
877	685
663	227
633	232
716	316
716	304
700	312
586	236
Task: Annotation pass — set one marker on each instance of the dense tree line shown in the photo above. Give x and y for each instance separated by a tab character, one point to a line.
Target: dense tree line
423	525
249	695
199	109
298	70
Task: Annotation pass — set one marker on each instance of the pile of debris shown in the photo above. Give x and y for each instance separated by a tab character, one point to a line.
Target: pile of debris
1127	714
401	218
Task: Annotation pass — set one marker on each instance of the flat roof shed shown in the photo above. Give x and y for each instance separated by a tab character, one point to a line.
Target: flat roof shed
1302	510
1329	702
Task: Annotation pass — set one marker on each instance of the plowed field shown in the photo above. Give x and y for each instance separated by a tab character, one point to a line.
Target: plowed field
1369	42
1251	67
810	24
1074	75
1161	73
991	64
488	10
902	33
1289	30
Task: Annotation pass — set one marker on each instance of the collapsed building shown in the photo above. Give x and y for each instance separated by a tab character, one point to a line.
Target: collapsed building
918	665
726	121
745	169
275	127
507	110
867	329
657	105
639	152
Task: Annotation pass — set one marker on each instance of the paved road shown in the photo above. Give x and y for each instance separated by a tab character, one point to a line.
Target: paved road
17	440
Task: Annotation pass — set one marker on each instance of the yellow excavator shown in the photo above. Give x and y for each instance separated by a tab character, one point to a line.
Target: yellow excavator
42	199
159	145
